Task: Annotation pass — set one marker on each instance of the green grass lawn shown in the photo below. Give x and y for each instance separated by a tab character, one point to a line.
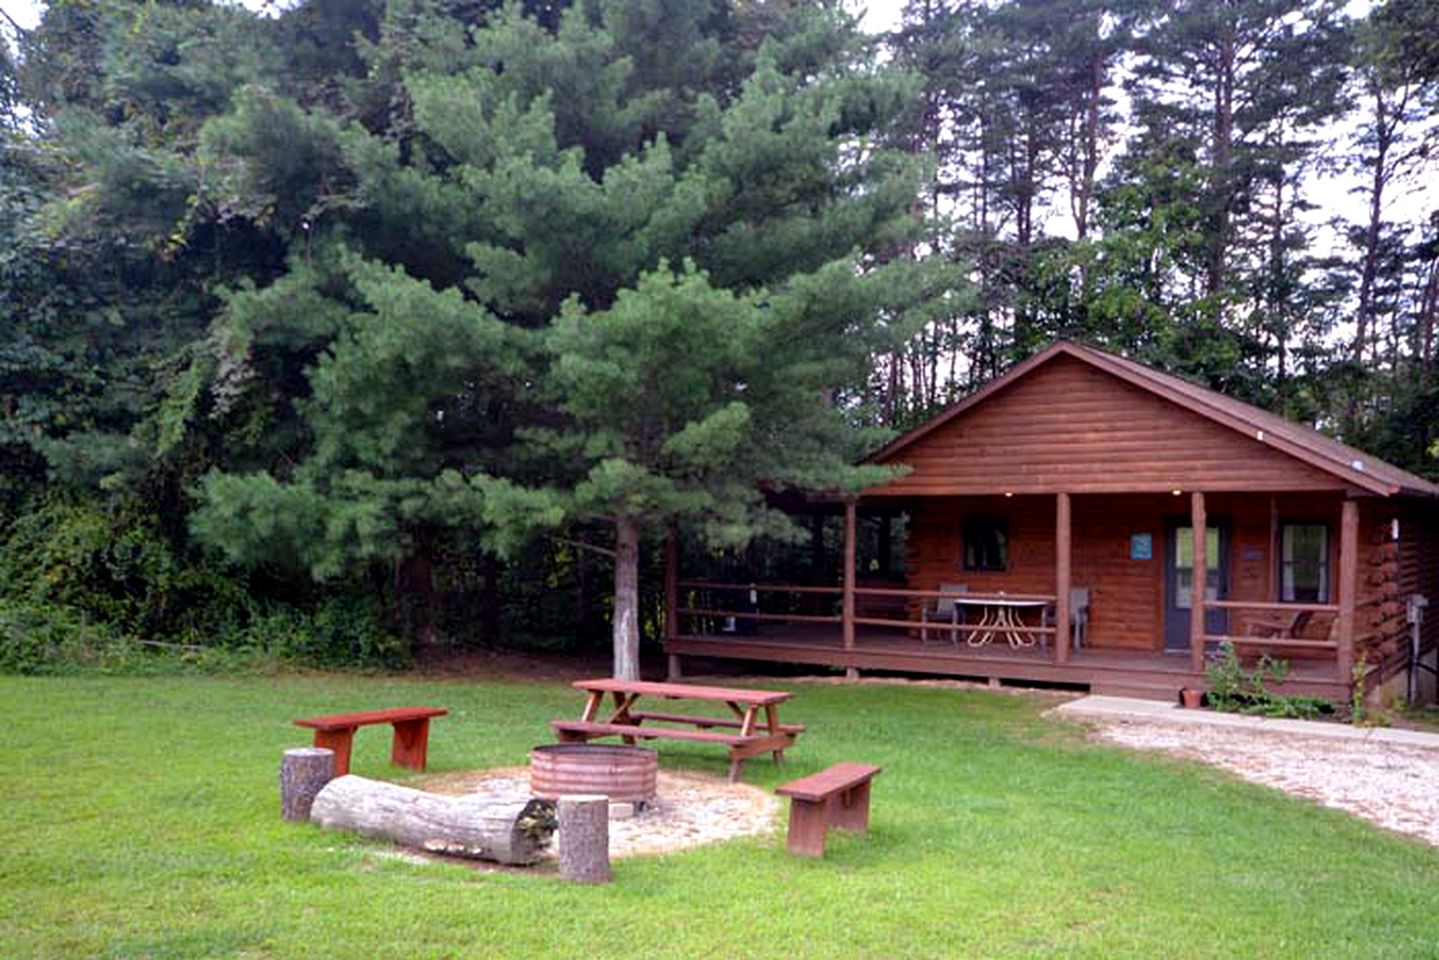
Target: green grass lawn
141	819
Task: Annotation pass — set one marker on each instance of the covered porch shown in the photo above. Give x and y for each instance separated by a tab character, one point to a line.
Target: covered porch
1121	563
1109	672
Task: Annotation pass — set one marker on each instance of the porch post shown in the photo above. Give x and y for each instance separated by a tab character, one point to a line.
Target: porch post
1348	588
1061	577
672	595
847	597
1199	542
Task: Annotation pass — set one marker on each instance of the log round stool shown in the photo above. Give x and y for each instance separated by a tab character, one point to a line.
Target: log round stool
585	838
304	771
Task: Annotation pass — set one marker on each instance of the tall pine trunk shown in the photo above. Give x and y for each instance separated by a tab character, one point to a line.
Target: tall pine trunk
627	599
1221	183
1364	315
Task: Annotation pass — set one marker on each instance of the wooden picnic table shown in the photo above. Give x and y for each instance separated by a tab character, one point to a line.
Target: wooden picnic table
745	732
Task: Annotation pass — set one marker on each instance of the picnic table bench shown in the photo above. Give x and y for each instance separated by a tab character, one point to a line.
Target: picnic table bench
745	733
837	796
336	731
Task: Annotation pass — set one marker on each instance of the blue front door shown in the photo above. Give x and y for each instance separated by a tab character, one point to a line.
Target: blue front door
1179	580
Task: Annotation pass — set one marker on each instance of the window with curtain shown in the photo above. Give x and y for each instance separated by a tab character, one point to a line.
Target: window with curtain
1304	563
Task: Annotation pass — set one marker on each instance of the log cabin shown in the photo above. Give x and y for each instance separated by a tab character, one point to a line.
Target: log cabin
1050	523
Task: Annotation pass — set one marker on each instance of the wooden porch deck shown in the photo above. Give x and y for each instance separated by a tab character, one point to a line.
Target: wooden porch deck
1134	673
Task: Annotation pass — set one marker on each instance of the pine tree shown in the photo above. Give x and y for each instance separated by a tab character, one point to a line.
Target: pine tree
583	270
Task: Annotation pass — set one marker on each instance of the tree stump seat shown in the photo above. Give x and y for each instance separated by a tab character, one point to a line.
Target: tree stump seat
336	731
837	796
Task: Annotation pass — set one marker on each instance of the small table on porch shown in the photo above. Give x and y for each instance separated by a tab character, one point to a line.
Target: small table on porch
745	733
1000	618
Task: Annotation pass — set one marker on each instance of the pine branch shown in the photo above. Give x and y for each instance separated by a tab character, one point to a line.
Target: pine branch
19	30
582	545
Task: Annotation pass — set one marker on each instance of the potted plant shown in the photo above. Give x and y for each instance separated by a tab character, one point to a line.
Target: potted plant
1191	697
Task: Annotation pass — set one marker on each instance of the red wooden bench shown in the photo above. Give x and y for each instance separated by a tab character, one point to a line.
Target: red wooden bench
336	731
837	796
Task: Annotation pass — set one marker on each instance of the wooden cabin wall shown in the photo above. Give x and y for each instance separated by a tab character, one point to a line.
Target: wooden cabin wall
1126	595
1414	561
1068	426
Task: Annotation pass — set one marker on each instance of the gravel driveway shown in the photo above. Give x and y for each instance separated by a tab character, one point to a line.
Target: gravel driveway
1394	786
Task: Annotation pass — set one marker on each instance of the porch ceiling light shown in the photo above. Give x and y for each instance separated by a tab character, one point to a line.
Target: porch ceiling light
1176	492
1007	493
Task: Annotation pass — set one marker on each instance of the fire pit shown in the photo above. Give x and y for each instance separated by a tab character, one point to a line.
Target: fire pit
621	773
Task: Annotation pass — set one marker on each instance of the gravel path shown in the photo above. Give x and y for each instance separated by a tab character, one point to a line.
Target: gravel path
1394	786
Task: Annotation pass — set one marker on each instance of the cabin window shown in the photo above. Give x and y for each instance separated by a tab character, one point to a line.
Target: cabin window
1304	563
986	544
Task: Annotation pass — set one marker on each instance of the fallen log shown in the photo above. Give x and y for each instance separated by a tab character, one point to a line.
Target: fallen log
514	832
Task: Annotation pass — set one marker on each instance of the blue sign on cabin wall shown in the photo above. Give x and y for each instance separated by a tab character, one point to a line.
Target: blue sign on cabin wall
1141	546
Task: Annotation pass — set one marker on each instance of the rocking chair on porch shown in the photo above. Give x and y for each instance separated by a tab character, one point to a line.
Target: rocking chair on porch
943	610
1283	626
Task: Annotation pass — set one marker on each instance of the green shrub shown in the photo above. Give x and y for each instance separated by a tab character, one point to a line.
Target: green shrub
48	640
1235	690
117	567
340	631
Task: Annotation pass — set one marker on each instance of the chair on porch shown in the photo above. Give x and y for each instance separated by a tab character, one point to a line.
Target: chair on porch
1282	626
943	610
1078	615
1078	618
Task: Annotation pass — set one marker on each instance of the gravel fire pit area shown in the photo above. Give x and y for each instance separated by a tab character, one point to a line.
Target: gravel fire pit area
689	809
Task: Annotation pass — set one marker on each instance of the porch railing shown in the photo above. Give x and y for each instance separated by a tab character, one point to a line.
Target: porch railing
1042	630
708	604
1279	641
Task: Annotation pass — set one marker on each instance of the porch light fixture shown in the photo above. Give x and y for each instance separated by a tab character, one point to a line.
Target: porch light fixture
1008	493
1176	492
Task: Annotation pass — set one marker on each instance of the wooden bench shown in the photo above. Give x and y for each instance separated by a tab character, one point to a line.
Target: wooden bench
837	796
581	730
336	731
702	722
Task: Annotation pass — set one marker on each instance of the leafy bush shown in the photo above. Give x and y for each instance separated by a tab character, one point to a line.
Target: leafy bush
1235	690
80	582
41	640
117	567
37	639
340	631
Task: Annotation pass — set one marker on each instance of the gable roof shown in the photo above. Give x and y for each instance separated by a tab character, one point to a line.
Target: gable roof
1353	466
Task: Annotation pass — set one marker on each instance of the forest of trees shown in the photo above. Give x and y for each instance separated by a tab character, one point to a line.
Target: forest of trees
351	328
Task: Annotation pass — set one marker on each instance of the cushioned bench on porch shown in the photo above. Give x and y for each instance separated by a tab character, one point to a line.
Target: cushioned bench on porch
336	731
